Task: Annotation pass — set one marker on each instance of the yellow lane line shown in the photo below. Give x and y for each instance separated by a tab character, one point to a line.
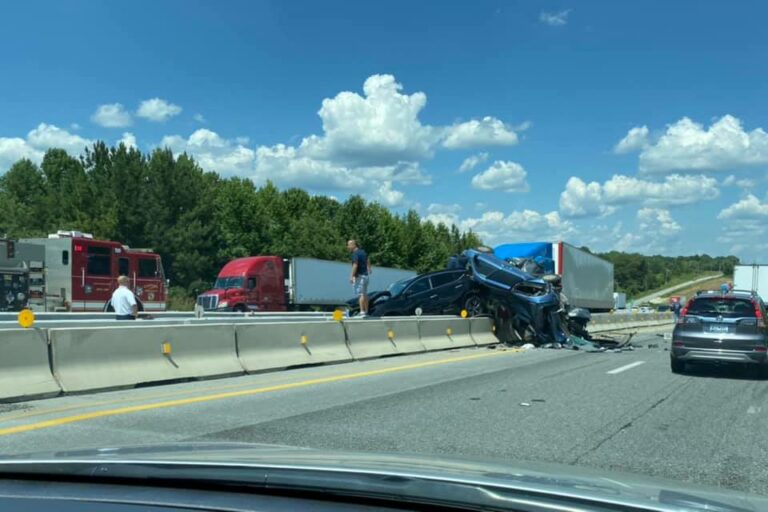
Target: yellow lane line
148	396
233	394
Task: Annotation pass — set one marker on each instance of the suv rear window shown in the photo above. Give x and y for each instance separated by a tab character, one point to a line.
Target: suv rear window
719	306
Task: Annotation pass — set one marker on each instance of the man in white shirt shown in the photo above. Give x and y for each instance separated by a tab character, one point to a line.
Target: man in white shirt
123	301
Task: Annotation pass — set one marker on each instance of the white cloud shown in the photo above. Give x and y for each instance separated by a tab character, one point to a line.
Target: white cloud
213	152
689	146
488	131
388	196
380	128
438	208
635	140
370	143
473	161
495	228
674	190
555	19
580	199
200	118
748	208
13	149
657	233
502	176
157	110
745	183
128	139
49	136
112	115
657	221
37	141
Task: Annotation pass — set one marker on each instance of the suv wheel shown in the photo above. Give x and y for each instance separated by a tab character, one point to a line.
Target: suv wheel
676	365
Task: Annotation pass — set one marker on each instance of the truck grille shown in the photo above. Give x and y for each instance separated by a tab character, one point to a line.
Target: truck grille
209	302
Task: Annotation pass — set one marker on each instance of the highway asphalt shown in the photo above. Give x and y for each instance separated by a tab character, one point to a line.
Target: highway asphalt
616	411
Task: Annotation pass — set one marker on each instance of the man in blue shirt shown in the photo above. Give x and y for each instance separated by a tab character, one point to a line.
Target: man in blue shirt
361	270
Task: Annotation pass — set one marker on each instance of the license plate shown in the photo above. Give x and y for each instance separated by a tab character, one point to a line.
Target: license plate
718	328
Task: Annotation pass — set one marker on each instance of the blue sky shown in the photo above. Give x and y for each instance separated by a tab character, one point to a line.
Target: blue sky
630	126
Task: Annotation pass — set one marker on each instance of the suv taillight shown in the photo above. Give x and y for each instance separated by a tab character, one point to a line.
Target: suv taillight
758	314
683	312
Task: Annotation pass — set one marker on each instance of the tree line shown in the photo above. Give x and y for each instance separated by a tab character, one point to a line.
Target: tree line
636	273
197	220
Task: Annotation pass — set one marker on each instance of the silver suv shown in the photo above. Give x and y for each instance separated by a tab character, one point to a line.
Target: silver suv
721	328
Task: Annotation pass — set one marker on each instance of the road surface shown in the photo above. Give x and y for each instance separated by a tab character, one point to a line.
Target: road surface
667	291
616	411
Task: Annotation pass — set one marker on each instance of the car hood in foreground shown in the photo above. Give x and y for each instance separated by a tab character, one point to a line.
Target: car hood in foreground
402	477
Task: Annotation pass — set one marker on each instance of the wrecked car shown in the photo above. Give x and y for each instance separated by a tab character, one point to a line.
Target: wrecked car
434	293
526	309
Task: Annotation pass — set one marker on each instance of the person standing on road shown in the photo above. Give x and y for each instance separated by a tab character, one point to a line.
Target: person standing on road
724	288
676	309
123	301
361	270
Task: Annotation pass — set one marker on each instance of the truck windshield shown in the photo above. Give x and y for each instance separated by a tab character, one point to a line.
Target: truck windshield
228	282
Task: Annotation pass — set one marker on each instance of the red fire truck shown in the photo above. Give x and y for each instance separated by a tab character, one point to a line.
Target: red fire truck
80	273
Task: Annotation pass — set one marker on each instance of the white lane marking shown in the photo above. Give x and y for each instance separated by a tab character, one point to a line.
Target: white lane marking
753	410
625	368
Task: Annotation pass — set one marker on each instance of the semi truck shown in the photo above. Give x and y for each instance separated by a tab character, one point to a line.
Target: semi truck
72	271
753	278
273	283
587	280
619	300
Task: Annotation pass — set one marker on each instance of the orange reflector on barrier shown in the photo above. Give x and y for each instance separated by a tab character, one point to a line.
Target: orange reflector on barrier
304	339
166	348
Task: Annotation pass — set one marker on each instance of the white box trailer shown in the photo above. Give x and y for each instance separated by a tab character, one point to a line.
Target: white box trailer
320	282
753	278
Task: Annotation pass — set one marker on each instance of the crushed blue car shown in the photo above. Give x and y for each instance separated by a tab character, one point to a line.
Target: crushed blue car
526	308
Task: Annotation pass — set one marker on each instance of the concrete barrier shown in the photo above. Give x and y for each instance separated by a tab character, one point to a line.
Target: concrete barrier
445	333
24	368
95	358
267	346
376	338
482	331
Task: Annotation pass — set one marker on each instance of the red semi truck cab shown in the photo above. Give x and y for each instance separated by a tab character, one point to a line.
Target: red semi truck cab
255	283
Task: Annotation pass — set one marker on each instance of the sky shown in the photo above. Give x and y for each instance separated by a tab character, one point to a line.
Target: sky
632	126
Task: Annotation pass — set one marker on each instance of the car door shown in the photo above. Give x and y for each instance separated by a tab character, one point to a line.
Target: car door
448	288
417	295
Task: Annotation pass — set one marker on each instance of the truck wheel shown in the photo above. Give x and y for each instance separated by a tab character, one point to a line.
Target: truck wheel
473	304
240	308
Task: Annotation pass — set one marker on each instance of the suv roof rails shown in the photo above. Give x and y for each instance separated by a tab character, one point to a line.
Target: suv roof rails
752	293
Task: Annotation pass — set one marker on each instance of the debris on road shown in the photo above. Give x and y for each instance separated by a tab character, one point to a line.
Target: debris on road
525	404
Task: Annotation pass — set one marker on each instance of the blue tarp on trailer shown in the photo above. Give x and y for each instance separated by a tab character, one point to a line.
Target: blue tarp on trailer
540	252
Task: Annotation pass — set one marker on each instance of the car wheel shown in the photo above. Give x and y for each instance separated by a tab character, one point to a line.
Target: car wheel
473	304
676	365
